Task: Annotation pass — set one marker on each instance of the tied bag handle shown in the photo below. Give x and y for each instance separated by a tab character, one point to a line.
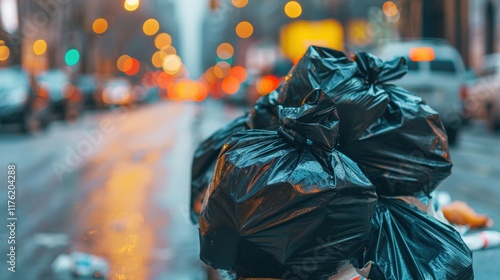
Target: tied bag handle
315	123
376	71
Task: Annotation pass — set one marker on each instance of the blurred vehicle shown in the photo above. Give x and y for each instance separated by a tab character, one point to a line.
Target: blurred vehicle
483	100
246	93
88	86
65	96
22	101
117	92
260	82
470	80
146	95
436	73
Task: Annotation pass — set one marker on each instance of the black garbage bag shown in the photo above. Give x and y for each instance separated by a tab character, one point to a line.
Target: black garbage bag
397	140
285	204
263	115
204	160
407	243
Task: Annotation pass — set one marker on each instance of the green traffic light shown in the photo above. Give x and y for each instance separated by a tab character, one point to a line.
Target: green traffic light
72	57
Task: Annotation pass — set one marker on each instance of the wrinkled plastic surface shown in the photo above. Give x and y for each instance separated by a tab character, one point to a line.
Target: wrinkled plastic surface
263	115
285	204
398	140
204	161
406	243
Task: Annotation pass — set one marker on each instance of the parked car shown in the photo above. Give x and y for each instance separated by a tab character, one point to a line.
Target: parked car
483	100
117	92
436	73
22	100
88	86
66	98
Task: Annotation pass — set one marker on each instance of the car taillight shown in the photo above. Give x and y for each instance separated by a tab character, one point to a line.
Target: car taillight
463	93
43	92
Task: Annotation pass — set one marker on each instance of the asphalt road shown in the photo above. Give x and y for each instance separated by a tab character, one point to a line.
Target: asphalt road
116	184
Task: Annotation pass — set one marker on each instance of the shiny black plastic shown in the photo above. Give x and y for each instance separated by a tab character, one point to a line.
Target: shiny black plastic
397	140
204	160
406	243
284	203
263	115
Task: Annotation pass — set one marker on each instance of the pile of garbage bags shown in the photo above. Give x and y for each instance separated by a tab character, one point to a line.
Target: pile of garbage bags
317	176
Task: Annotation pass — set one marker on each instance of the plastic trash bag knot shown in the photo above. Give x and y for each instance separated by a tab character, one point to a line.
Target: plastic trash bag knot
316	122
293	137
376	71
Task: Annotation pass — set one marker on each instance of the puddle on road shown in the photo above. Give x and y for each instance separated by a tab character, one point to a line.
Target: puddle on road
116	229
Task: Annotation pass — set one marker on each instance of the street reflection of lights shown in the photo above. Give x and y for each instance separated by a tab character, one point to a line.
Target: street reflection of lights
172	64
239	3
125	237
100	26
293	9
4	52
221	69
244	29
162	40
225	51
239	73
157	60
230	85
121	61
39	47
150	27
390	9
131	5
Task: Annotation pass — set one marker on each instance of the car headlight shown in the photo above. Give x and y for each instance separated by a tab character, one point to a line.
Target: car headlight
16	96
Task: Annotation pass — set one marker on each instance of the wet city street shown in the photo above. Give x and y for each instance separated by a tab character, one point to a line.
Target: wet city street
116	184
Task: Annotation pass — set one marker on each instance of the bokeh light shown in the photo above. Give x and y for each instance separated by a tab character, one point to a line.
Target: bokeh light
210	75
390	9
230	85
244	29
225	51
4	51
157	60
168	50
39	47
172	64
131	66
239	3
162	40
222	69
121	61
239	73
165	80
293	9
72	57
100	26
187	90
267	84
150	27
131	5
